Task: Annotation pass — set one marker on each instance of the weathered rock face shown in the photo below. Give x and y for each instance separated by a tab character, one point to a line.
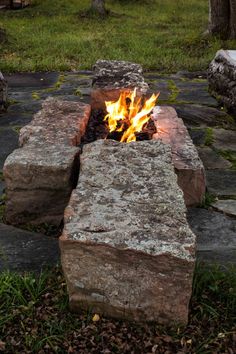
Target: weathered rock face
111	77
216	236
42	173
222	77
189	168
127	250
3	92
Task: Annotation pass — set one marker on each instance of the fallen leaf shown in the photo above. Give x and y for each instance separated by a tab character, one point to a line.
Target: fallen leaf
96	318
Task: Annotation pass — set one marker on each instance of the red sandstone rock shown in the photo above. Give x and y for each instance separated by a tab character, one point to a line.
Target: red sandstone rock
189	168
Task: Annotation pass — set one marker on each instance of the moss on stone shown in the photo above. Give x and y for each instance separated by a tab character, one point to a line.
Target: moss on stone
174	91
17	129
60	81
208	200
209	139
230	156
78	93
35	95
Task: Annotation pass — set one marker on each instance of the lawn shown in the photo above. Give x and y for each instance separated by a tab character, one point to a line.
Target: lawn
35	318
163	35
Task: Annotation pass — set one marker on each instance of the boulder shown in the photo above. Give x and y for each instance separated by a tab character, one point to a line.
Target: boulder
222	78
126	248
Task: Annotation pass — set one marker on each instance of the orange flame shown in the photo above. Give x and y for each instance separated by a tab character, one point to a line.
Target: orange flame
128	115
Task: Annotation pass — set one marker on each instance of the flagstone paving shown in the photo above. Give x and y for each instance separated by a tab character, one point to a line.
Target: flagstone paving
211	128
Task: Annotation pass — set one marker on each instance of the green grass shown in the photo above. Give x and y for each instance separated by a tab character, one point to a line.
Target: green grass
230	156
209	139
165	35
34	316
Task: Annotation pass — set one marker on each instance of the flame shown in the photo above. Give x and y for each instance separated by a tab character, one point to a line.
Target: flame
128	115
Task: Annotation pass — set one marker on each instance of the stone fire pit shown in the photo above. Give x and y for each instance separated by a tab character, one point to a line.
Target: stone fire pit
127	250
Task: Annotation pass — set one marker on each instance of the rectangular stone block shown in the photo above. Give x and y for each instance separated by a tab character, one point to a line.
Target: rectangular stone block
111	77
58	122
126	248
188	166
42	173
39	181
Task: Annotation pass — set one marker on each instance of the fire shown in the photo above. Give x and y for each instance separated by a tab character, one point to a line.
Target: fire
128	114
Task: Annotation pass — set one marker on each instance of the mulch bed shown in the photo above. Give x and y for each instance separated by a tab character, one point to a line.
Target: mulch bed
36	319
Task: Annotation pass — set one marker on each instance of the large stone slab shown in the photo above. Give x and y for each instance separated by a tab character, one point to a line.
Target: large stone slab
41	174
221	183
59	122
222	76
126	248
224	139
196	115
211	160
216	236
26	251
227	206
113	76
189	168
39	181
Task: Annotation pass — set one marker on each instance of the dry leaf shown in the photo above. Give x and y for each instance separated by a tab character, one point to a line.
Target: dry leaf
96	318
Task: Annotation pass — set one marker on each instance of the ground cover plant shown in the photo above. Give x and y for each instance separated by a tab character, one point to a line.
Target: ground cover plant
35	318
165	35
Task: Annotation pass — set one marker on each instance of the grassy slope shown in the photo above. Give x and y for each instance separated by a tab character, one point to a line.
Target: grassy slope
160	34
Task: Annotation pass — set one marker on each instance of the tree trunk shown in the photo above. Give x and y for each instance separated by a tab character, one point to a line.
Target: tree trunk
98	6
232	29
219	17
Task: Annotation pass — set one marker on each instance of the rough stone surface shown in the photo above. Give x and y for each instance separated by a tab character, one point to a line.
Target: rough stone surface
211	160
195	115
39	181
222	78
3	92
59	122
198	136
188	166
224	139
41	174
26	251
216	235
227	206
221	183
195	92
111	77
126	251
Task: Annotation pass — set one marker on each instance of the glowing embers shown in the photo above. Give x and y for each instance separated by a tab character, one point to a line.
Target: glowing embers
128	116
